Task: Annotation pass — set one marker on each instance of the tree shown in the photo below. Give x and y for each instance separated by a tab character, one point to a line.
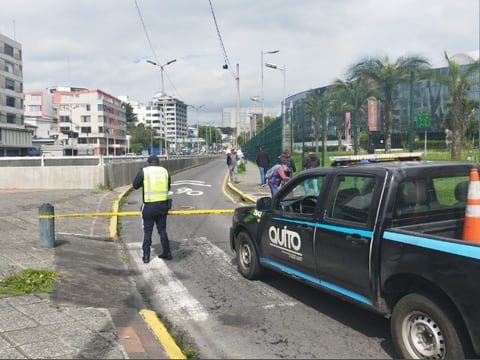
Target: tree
343	100
386	76
313	106
130	116
460	107
141	134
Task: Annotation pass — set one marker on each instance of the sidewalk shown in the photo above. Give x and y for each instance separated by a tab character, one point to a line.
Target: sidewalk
94	310
248	186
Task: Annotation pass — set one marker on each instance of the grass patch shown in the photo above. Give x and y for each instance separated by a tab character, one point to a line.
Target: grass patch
28	281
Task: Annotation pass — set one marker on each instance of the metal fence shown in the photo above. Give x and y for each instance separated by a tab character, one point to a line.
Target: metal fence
270	138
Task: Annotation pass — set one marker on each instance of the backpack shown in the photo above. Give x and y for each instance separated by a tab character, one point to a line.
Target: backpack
229	160
270	171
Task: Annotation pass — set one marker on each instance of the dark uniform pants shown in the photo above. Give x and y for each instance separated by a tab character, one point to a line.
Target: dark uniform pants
155	213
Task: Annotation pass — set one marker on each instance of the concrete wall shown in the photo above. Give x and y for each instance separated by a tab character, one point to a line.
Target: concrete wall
85	177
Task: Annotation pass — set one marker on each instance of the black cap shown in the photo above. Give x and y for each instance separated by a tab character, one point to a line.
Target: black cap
152	159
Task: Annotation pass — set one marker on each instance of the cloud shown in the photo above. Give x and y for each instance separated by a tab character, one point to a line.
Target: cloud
104	44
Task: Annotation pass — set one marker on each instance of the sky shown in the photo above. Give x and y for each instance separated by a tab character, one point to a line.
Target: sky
105	44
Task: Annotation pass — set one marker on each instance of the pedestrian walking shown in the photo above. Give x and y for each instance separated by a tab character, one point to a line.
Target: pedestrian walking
155	181
262	160
245	158
309	162
233	165
287	159
278	176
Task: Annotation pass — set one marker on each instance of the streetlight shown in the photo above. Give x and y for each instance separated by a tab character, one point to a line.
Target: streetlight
261	98
196	108
163	101
254	115
273	66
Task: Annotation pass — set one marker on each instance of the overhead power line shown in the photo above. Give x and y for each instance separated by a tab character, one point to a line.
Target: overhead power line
224	52
151	46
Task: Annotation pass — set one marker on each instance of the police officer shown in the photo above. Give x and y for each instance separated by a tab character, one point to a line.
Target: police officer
155	181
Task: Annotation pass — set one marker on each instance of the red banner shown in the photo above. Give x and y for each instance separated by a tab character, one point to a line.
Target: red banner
372	114
348	130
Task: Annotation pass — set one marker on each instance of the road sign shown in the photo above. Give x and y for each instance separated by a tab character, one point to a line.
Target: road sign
423	121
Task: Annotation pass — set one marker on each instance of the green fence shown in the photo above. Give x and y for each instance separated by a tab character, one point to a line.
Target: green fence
271	138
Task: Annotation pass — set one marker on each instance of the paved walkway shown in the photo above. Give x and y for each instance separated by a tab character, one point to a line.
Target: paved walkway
95	308
248	186
93	311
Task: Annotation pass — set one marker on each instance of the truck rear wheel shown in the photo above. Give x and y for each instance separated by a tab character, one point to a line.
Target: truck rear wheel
423	328
247	257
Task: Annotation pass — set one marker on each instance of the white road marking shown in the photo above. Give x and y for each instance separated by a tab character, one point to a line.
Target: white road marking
167	289
191	182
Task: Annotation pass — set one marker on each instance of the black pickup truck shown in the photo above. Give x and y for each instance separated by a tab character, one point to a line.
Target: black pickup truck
382	231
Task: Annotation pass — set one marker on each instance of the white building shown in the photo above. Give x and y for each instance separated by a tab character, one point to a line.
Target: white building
84	122
15	137
247	118
173	123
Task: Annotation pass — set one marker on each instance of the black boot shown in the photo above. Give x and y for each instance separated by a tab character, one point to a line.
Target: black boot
166	256
146	259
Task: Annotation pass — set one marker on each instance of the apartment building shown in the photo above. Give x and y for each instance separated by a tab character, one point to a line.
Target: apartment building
77	121
248	117
166	114
15	137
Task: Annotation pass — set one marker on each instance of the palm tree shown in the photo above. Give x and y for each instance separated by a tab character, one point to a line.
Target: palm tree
345	92
460	107
386	77
337	108
313	106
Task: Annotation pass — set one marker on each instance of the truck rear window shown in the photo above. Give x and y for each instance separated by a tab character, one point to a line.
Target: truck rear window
431	195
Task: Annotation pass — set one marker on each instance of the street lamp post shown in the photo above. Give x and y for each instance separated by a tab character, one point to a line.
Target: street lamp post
261	97
163	101
198	124
283	70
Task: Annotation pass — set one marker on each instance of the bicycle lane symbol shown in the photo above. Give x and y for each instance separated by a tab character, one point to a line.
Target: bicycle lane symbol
182	189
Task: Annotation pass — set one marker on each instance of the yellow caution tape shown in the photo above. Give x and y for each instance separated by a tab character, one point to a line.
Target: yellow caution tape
137	213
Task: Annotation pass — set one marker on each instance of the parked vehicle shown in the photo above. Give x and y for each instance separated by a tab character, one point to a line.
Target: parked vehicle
384	232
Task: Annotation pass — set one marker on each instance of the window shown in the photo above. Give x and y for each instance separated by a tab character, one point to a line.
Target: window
429	196
301	199
86	130
9	84
10	101
85	118
9	67
351	198
34	108
11	118
8	50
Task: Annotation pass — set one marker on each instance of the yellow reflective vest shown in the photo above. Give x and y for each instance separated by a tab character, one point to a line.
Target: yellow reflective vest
155	184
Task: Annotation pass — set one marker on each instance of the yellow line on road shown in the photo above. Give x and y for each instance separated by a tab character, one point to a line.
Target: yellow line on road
169	345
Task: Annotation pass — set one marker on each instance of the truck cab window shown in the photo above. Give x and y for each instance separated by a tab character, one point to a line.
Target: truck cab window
301	199
352	198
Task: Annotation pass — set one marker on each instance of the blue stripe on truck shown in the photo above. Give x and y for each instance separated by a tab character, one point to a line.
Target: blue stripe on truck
463	249
316	281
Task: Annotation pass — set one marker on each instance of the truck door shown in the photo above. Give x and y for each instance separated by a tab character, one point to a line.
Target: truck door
343	236
288	231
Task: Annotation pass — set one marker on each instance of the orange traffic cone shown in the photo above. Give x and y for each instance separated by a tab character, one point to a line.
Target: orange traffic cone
471	226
